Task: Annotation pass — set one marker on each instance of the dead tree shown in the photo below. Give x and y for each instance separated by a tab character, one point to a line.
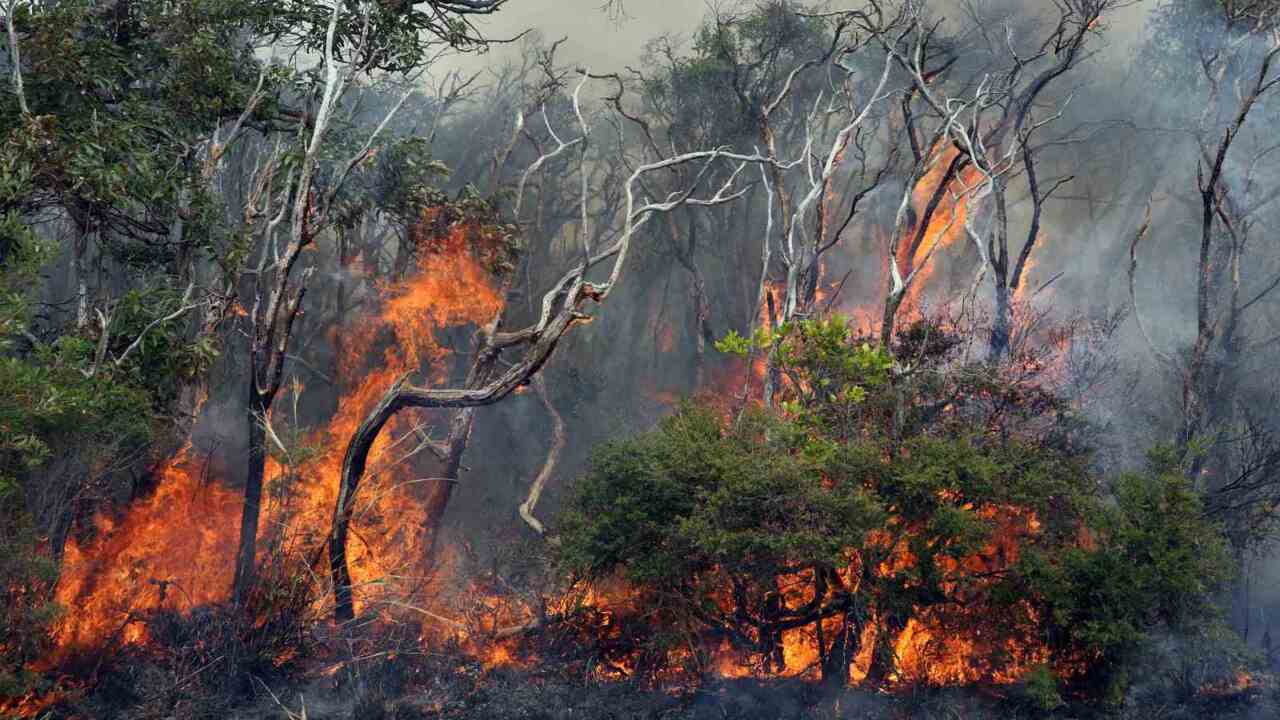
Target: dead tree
492	377
763	87
1232	457
1239	76
998	140
287	215
838	122
1221	221
984	136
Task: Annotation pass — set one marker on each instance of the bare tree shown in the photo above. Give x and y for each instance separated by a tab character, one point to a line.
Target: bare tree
287	214
1228	451
1239	75
491	378
1223	215
840	124
10	9
986	139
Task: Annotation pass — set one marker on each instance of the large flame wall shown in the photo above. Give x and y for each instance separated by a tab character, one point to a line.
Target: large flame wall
175	549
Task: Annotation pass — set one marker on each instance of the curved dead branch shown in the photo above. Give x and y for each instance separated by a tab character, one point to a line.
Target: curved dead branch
558	439
485	384
1133	295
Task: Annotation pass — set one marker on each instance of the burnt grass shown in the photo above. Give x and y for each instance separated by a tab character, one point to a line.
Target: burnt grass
208	665
449	685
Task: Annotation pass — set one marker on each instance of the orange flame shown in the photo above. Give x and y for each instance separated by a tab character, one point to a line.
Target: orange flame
946	225
175	549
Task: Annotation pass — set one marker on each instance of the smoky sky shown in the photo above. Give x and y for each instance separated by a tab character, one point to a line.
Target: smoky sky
605	41
608	41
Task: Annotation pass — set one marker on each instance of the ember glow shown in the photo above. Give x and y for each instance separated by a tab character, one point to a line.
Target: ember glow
941	646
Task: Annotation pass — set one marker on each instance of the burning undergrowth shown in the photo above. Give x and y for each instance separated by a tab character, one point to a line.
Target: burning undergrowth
882	531
903	521
154	580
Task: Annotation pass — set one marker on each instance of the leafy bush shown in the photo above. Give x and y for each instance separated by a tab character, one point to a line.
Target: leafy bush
890	492
26	578
1151	562
1039	690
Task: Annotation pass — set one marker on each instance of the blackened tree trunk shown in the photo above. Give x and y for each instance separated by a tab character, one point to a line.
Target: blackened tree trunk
255	415
1001	327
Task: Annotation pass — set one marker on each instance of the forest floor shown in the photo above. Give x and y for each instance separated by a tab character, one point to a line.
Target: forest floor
471	693
451	686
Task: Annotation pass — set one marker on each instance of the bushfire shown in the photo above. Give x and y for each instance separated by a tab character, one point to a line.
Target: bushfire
919	250
174	550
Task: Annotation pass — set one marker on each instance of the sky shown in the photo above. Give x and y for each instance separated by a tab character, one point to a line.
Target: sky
605	42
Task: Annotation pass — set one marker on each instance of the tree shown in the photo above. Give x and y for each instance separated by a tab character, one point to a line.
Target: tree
63	432
1157	563
1229	447
487	382
309	209
979	143
117	134
821	515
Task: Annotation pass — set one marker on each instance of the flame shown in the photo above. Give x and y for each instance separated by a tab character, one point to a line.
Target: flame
37	704
1240	683
175	549
1020	295
946	225
946	644
159	554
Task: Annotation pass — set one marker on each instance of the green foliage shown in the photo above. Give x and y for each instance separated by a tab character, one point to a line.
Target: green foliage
1039	689
399	36
735	65
735	344
695	495
119	102
25	580
1153	562
21	253
828	490
407	177
828	371
127	104
164	356
46	406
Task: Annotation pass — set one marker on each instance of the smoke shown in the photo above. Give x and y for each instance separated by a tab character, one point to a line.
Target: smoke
1131	112
595	37
1128	116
